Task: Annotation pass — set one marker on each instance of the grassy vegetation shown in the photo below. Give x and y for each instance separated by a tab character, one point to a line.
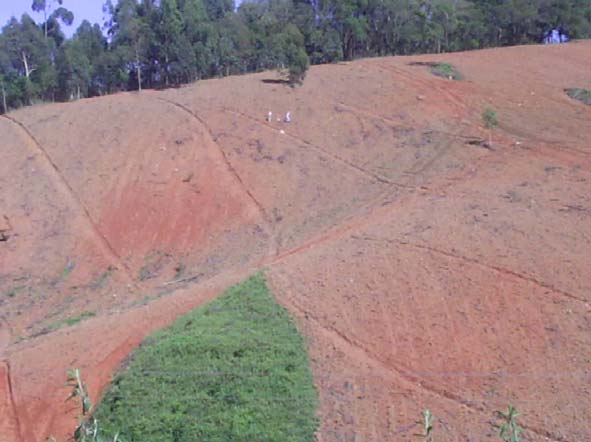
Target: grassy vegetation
510	429
233	370
580	94
490	118
446	70
72	320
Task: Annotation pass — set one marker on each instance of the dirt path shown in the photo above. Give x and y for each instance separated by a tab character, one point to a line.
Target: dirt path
265	216
503	272
320	149
9	422
70	195
402	375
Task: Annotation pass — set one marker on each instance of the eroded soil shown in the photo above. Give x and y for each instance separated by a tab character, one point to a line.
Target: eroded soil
427	266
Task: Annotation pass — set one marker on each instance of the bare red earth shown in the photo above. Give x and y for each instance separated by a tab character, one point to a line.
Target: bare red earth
425	269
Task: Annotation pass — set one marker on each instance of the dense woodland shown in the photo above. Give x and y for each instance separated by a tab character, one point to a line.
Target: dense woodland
160	43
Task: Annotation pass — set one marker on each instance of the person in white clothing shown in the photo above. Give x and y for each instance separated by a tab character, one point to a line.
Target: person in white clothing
287	118
270	116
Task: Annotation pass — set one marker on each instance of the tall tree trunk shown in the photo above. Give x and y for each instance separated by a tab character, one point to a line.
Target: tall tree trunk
138	70
4	99
166	70
26	65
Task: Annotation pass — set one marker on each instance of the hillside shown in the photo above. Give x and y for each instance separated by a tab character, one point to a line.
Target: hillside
425	270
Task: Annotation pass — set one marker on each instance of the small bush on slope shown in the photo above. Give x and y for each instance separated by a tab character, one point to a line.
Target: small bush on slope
233	370
446	70
583	95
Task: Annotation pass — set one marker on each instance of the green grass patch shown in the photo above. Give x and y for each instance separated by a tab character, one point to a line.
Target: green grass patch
72	320
233	370
580	94
446	70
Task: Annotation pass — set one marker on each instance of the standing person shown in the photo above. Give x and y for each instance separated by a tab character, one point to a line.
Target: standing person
270	116
287	118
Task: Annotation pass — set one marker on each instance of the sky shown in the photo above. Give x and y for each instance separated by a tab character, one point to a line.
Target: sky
91	10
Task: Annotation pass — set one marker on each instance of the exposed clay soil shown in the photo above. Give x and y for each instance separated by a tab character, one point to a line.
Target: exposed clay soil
426	268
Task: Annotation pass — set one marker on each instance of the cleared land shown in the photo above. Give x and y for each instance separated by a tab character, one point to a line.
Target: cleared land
425	270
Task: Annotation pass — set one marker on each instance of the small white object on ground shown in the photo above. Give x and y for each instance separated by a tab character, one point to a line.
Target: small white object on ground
282	131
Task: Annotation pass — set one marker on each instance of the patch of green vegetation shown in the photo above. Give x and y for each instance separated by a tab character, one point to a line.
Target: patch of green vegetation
99	283
233	370
489	118
11	293
72	320
580	94
446	70
509	430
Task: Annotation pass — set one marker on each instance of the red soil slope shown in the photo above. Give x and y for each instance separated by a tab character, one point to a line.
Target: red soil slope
426	270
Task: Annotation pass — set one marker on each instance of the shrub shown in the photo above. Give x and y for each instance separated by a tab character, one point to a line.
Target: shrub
489	118
446	70
583	95
298	66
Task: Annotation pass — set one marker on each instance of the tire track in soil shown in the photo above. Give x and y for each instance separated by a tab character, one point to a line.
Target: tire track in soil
59	180
394	124
501	270
335	157
430	84
274	247
373	212
10	425
506	127
406	375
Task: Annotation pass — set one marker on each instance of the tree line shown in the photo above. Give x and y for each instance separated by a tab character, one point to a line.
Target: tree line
162	43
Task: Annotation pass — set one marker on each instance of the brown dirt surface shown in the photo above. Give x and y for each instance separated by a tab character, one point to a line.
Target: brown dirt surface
426	268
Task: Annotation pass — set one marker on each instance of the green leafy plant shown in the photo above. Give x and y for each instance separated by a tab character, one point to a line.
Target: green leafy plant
509	429
446	70
490	120
88	427
583	95
426	423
